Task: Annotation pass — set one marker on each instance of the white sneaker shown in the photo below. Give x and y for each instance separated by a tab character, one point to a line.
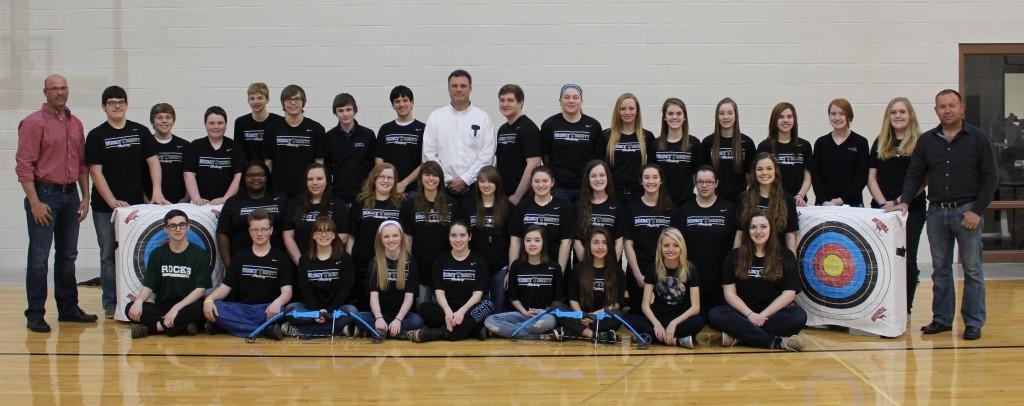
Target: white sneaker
686	342
727	340
346	331
289	330
792	343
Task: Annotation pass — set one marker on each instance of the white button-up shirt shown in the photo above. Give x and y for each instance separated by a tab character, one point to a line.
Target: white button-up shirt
462	142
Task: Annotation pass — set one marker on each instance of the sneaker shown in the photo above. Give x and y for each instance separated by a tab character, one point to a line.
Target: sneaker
727	340
109	312
425	335
686	342
212	328
556	334
191	329
483	334
793	343
346	331
608	337
139	331
289	330
274	332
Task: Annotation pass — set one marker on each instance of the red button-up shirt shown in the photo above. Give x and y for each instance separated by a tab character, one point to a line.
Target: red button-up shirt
51	147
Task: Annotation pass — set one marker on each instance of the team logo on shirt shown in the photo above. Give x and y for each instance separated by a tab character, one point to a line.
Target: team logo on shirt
153	236
705	221
572	136
253	135
488	221
126	141
169	157
381	214
507	138
214	162
542	220
602	220
175	271
432	217
633	146
455	275
725	153
272	209
598	284
789	159
673	157
311	216
358	145
259	272
323	275
402	139
755	271
294	141
534	281
652	221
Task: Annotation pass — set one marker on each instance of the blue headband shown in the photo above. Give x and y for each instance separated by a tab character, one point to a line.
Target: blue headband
570	86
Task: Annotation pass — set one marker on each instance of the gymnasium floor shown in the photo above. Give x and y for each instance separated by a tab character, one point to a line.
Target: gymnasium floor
100	364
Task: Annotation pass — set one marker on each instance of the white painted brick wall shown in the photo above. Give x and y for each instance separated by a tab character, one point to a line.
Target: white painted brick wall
197	53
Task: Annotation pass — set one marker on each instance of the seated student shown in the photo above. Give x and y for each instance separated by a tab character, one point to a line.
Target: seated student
534	283
325	279
460	282
178	273
233	225
213	164
392	293
595	285
671	305
259	281
760	281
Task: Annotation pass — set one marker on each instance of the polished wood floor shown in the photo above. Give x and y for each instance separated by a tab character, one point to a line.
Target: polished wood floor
101	364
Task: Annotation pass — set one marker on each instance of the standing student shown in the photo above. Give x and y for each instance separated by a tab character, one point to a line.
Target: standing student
709	227
119	152
519	148
728	150
460	283
251	128
594	286
350	149
840	165
488	215
765	194
546	210
393	281
314	201
324	279
676	151
791	152
645	219
50	165
534	284
760	282
233	225
888	163
293	143
378	202
425	219
400	141
571	139
671	306
625	147
256	286
213	164
170	151
177	273
598	207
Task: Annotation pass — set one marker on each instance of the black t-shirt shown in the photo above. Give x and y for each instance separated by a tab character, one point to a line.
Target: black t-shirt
215	169
491	242
628	163
258	280
792	162
535	286
556	217
302	223
349	159
516	142
569	146
325	284
172	169
459	279
429	233
609	214
123	153
363	223
672	297
756	291
730	183
891	174
572	292
249	135
292	149
709	234
401	146
391	299
643	226
678	167
792	223
840	171
233	220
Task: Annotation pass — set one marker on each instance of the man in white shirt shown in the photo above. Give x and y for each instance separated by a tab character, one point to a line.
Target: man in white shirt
459	136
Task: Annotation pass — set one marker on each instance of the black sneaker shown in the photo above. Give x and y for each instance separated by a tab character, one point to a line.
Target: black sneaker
425	335
274	332
556	334
191	329
607	337
38	325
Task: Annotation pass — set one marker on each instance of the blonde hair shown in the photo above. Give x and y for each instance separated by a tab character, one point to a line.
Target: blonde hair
380	260
259	88
887	135
369	194
659	259
615	131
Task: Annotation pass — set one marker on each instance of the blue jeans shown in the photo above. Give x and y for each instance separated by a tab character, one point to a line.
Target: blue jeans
498	289
572	195
943	230
503	324
108	268
309	328
61	233
411	322
240	319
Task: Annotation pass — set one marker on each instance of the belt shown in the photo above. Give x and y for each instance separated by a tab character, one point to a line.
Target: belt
70	187
952	205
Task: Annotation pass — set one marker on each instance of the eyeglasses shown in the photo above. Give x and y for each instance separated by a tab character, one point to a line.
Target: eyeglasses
177	226
295	99
323	233
261	230
116	103
705	182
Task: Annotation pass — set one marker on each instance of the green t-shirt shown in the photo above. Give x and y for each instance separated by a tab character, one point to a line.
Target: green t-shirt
172	276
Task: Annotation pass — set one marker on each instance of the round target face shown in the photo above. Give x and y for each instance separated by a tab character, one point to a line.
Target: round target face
838	266
153	236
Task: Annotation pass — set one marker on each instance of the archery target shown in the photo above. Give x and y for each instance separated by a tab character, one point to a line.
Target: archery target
838	266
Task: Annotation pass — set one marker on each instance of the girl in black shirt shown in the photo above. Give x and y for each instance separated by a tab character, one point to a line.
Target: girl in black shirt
325	277
488	216
425	219
460	282
378	202
709	226
678	152
791	152
393	290
314	200
535	283
571	139
232	225
671	305
760	281
597	207
888	163
546	210
728	150
647	216
626	146
765	194
213	164
595	286
840	164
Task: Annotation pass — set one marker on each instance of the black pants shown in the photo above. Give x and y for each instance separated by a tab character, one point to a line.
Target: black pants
688	327
636	290
154	312
784	323
574	327
433	317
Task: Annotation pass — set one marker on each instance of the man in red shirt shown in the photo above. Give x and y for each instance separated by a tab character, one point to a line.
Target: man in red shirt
51	169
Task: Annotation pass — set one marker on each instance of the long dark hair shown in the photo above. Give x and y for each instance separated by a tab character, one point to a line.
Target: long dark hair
523	256
440	203
663	135
325	223
778	213
501	204
305	199
737	141
664	200
773	127
747	250
583	223
612	272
